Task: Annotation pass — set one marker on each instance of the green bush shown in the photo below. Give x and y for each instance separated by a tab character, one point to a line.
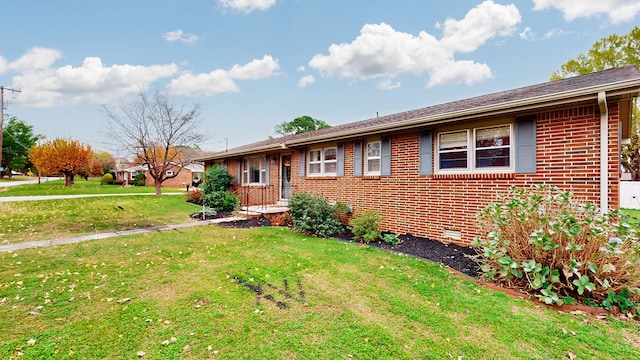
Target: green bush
365	225
544	242
107	179
221	201
216	178
140	180
391	239
314	215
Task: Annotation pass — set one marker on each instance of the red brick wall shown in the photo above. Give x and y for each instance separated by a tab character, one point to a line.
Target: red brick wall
568	157
256	194
177	182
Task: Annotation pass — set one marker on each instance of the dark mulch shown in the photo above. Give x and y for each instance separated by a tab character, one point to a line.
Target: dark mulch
248	223
451	255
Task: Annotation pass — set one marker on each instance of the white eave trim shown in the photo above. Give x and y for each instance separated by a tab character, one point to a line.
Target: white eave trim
631	87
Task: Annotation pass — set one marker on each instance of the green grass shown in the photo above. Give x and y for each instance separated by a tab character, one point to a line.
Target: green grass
632	216
188	294
51	219
91	186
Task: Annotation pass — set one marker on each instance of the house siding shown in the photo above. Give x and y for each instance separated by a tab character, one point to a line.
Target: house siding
568	157
178	182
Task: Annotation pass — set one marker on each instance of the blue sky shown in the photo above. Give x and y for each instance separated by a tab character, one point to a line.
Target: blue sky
252	64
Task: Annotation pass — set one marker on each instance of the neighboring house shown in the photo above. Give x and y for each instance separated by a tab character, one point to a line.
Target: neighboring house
189	174
128	174
430	171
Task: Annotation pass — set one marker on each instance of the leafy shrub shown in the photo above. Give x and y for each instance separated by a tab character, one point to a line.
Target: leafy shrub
365	224
216	178
203	214
221	201
391	239
140	180
107	179
195	197
544	242
314	215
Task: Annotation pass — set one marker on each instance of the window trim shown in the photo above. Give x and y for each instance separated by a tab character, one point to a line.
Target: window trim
471	151
367	158
245	169
322	162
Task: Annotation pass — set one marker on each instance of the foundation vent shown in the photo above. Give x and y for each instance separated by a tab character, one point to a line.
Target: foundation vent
452	234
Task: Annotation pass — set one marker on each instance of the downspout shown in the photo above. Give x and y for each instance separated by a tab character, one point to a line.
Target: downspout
604	152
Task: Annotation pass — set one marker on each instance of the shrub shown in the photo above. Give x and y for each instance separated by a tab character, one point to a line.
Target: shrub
221	201
195	197
140	180
391	239
314	215
544	242
107	179
203	214
364	225
216	178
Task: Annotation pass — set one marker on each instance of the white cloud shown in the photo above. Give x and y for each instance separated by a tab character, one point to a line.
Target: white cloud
247	6
44	85
37	58
306	80
382	52
179	35
300	68
617	10
527	34
467	72
387	85
219	81
256	69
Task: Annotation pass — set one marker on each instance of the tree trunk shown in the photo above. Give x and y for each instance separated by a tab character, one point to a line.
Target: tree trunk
158	188
68	180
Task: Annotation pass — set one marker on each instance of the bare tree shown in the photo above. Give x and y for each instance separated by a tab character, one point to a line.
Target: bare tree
154	129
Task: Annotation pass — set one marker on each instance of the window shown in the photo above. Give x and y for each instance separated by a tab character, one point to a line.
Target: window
493	147
372	165
452	149
480	149
169	173
323	161
254	170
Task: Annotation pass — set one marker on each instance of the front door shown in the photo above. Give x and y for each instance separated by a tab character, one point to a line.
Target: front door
285	177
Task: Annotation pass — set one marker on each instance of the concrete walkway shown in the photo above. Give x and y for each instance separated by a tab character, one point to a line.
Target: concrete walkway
78	239
56	197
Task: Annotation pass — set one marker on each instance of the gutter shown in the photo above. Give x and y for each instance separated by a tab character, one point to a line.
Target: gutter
487	110
589	93
604	145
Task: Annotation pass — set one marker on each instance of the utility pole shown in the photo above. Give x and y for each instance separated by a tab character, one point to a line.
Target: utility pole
2	89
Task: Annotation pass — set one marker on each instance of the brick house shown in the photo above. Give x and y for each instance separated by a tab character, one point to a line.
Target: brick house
188	174
430	171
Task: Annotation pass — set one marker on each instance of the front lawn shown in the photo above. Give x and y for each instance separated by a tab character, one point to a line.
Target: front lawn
81	186
52	219
269	293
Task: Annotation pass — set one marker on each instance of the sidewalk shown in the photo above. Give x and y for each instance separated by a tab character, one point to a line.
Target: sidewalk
78	239
56	197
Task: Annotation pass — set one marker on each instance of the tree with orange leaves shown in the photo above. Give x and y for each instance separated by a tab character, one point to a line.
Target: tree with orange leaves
66	157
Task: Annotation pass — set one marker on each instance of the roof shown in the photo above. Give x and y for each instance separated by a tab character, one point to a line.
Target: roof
622	81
